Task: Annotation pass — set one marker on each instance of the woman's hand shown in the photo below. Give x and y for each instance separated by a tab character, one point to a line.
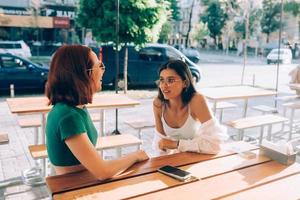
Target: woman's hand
141	156
165	144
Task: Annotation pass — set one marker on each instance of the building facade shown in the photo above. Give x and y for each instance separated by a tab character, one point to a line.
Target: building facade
40	23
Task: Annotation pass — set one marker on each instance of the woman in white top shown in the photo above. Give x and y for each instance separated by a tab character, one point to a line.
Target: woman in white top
182	118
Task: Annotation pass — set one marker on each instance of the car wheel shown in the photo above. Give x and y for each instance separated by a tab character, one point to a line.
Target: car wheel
268	62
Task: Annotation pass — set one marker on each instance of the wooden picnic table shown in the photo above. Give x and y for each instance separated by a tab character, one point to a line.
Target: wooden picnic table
142	178
216	94
39	105
226	175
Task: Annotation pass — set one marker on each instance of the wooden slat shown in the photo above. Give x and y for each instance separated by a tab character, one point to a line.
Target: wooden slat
285	188
235	92
38	151
39	104
155	181
62	183
251	122
218	186
223	105
114	141
140	123
107	142
29	122
4	138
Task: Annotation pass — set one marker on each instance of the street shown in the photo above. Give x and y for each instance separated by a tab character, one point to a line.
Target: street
220	69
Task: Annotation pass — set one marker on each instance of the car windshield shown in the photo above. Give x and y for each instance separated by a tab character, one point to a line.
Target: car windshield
280	52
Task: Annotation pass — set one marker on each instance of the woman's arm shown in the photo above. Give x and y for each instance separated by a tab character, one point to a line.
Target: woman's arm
157	111
85	152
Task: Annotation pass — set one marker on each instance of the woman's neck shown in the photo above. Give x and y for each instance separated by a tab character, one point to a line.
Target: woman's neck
80	106
176	104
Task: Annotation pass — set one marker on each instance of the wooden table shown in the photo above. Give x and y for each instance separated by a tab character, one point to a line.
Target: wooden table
234	92
225	175
38	105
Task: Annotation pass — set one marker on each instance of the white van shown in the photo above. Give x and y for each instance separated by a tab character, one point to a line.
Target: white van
19	48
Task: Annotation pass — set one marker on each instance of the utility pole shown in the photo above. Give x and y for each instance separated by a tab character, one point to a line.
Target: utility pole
245	42
278	56
116	131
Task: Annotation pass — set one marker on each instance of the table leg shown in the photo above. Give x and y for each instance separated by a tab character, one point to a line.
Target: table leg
215	107
245	108
102	123
36	175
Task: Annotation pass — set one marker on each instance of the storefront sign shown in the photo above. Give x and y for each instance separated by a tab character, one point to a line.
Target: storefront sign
61	22
26	21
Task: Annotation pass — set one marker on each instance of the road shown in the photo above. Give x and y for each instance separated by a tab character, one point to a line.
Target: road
220	70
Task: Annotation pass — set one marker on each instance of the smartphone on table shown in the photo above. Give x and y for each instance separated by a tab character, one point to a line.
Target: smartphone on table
175	172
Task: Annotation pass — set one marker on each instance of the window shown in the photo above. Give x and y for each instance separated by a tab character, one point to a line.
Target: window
151	54
12	62
172	54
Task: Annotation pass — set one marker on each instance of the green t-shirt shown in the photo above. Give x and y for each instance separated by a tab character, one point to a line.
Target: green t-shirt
65	121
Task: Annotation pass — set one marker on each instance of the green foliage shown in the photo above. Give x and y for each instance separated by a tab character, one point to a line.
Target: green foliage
292	7
175	10
165	31
270	21
140	20
201	32
240	28
215	17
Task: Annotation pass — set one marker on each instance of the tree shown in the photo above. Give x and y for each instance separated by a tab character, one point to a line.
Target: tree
140	22
270	21
239	26
292	7
175	10
201	32
190	24
173	15
215	17
165	31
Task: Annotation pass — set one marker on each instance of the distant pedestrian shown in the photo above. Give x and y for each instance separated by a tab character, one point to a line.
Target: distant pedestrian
75	75
182	117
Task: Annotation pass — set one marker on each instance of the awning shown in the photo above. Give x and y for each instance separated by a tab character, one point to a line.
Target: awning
34	22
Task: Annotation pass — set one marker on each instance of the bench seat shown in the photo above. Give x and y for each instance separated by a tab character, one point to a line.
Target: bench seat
106	142
256	121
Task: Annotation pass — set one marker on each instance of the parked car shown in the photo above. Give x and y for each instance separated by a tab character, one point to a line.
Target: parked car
143	64
22	73
19	48
192	53
285	56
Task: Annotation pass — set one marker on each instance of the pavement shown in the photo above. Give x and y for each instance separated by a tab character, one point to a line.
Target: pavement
15	157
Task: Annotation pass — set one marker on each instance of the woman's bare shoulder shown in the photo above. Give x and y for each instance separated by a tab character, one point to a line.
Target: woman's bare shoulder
198	99
157	103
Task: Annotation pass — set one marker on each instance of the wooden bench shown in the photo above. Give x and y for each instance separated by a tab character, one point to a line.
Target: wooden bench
103	143
288	98
4	138
223	105
265	109
292	106
140	125
256	121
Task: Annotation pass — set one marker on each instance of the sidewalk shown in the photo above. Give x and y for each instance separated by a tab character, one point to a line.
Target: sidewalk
14	157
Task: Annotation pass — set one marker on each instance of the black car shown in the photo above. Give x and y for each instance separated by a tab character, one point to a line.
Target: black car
192	53
143	64
22	73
